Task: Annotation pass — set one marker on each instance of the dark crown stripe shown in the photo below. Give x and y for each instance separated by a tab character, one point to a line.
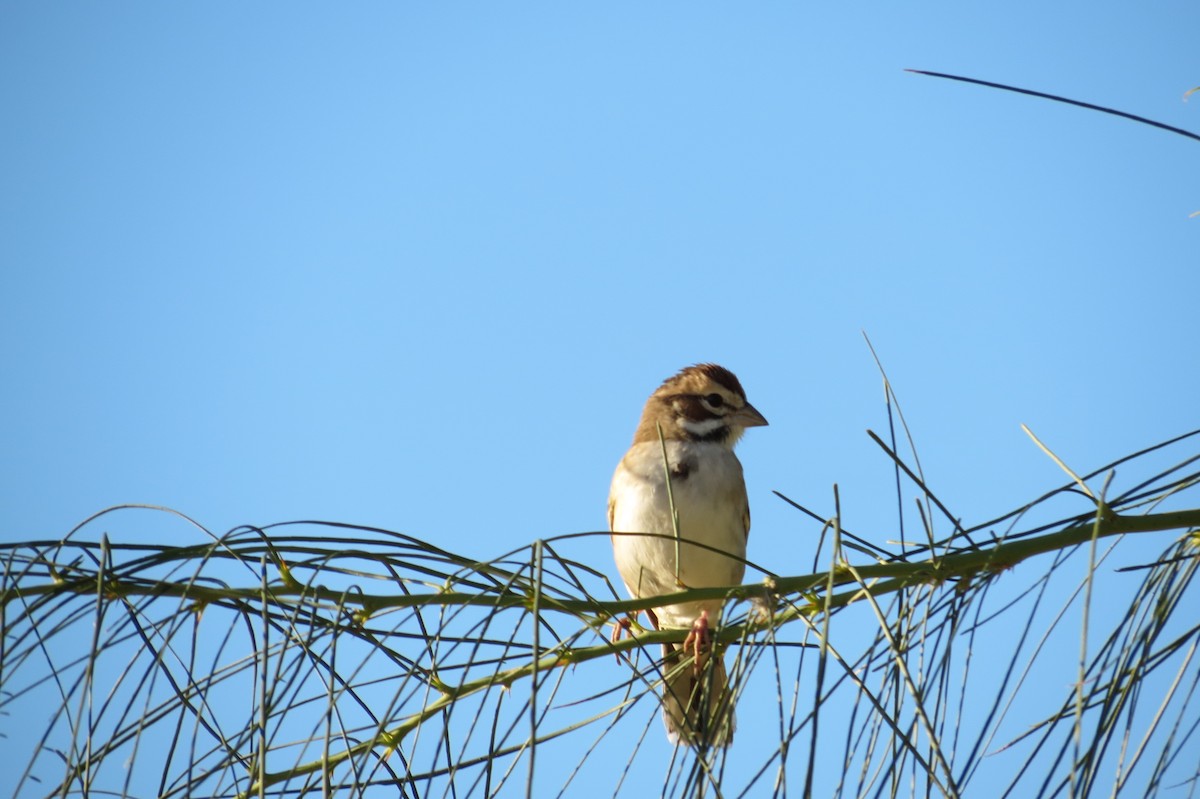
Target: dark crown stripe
719	374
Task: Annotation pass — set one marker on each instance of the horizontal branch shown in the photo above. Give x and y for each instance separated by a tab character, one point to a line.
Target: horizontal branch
1002	555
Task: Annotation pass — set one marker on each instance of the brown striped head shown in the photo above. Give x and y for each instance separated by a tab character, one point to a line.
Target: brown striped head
704	402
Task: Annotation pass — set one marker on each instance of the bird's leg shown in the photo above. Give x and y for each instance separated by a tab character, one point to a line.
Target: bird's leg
623	626
699	641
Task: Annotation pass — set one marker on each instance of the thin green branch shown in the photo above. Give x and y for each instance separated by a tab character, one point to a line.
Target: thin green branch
999	556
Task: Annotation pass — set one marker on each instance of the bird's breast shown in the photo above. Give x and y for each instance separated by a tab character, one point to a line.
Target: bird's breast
709	494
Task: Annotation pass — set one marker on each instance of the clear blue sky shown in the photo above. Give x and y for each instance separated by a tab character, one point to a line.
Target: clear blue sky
418	265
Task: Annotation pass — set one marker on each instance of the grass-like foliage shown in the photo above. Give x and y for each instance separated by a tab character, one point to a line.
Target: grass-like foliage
1006	658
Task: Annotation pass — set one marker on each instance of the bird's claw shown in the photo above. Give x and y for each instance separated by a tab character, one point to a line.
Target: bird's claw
621	628
699	641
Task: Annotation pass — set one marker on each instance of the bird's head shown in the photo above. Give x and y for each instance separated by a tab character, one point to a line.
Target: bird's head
704	402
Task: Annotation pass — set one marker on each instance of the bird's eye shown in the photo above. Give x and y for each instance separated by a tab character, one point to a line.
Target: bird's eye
714	400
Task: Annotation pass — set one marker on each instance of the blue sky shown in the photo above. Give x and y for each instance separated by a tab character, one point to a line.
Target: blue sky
418	266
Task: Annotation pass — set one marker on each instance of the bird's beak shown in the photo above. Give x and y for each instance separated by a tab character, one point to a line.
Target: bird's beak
749	416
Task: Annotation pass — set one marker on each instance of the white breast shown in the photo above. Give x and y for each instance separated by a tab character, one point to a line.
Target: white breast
710	497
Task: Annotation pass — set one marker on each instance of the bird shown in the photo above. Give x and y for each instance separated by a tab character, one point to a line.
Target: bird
695	417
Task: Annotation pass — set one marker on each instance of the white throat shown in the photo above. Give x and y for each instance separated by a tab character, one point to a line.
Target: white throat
702	428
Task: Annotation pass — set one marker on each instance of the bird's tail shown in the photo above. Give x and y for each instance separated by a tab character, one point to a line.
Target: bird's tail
697	702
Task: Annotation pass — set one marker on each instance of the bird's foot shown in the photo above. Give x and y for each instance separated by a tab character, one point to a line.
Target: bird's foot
624	627
621	628
699	641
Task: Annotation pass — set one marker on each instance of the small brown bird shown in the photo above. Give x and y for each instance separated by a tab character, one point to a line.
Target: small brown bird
702	412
